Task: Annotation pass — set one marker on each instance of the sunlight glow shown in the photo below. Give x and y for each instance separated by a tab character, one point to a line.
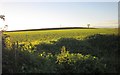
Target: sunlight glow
34	15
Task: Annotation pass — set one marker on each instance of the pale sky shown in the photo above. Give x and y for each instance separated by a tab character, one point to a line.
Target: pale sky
32	15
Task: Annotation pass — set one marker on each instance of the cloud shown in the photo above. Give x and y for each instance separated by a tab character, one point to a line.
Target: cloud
108	24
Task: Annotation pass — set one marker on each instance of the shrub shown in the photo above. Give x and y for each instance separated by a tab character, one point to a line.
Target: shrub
28	59
78	63
6	42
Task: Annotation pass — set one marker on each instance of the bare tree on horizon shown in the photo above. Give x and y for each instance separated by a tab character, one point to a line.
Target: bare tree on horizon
5	27
88	25
2	17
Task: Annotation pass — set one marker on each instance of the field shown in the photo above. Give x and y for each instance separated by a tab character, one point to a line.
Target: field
53	35
61	51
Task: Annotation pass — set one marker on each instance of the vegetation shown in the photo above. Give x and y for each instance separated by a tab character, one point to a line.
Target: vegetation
2	17
61	51
49	36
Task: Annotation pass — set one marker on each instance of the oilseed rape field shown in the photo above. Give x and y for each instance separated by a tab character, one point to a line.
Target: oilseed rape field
54	35
61	51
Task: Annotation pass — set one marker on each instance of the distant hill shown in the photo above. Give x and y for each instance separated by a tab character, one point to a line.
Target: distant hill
51	29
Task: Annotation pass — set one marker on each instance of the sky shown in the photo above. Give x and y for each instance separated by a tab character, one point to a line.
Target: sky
35	15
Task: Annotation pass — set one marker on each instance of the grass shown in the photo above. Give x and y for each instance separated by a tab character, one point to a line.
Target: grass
53	35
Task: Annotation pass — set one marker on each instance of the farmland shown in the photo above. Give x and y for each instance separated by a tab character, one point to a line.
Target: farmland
61	51
54	35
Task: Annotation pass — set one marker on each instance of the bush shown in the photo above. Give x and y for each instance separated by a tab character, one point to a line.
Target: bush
106	47
28	59
6	42
78	63
17	61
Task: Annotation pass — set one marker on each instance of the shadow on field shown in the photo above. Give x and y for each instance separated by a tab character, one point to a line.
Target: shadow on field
71	44
96	44
104	47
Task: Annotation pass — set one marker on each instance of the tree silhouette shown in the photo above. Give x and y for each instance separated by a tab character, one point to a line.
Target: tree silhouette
2	17
5	27
88	25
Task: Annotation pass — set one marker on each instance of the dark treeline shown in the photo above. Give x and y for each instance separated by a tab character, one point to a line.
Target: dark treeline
51	29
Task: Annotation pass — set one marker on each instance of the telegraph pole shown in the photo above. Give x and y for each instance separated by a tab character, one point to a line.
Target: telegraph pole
3	29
